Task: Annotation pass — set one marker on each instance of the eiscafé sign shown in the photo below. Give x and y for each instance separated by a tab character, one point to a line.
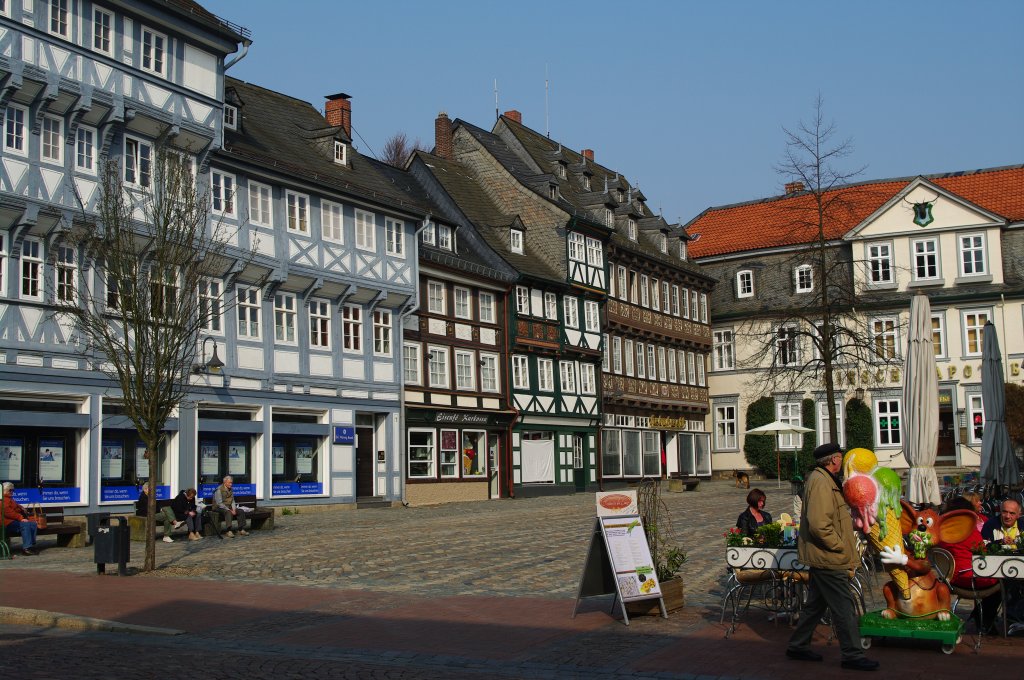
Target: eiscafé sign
461	418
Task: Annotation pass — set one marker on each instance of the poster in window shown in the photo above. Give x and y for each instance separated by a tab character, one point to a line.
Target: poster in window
51	460
209	459
112	460
141	462
278	459
237	459
10	459
449	440
303	459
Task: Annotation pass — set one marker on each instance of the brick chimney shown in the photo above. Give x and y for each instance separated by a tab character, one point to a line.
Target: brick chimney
338	111
443	136
512	114
794	187
589	154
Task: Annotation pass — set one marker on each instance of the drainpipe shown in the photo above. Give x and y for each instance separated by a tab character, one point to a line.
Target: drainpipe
241	55
409	309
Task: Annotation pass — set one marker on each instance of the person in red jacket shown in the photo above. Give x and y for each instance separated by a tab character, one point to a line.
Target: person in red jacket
964	572
16	521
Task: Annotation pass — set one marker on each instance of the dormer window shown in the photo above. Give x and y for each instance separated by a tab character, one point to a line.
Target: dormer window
620	196
561	170
429	234
340	152
586	182
516	241
804	278
553	192
745	284
640	207
230	117
682	249
631	229
663	243
608	217
444	237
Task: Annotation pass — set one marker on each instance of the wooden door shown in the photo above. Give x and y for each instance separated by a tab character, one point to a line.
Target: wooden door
364	462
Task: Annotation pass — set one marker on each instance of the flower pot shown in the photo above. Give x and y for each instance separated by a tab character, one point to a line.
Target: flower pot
671	593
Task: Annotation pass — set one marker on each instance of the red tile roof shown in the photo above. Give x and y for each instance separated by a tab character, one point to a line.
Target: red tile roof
791	220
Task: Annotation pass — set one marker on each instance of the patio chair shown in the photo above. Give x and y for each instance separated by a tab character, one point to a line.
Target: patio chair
944	564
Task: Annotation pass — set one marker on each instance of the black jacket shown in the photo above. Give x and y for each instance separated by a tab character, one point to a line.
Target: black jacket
182	505
748	525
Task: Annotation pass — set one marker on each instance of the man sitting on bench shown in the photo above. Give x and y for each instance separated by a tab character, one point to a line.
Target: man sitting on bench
224	506
15	521
165	514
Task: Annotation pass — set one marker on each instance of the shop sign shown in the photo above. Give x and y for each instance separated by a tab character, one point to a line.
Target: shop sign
297	488
130	494
58	495
238	489
669	423
461	418
344	434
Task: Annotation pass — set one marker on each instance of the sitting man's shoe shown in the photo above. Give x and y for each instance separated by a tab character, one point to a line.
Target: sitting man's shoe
168	539
179	524
802	655
229	534
243	532
860	664
28	552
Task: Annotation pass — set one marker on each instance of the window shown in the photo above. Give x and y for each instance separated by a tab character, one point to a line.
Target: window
59	18
665	296
609	219
223	191
210	305
939	335
67	271
436	302
489	372
553	192
382	332
487	310
685	294
516	241
428	235
14	129
365	237
437	365
645	292
623	288
411	364
153	46
694	306
702	369
611	453
163	292
641	372
340	152
725	428
974	324
803	277
880	263
824	429
671	361
394	237
926	260
682	249
682	367
972	255
724	353
230	117
352	328
627	353
550	306
522	300
576	247
595	253
331	222
444	237
138	162
52	140
745	284
320	324
572	311
421	453
298	212
260	203
703	307
284	318
449	453
789	413
520	372
545	375
31	269
616	354
248	312
465	370
663	243
591	316
675	300
662	371
787	346
652	365
883	335
631	229
634	288
655	295
101	23
588	381
586	182
3	263
463	303
85	149
976	417
887	422
561	170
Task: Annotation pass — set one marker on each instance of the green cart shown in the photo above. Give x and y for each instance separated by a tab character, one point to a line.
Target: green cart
949	633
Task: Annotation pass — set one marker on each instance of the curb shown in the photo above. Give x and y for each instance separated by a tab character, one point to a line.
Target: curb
38	617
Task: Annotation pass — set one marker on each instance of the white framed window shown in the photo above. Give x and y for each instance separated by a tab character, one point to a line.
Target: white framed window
211	305
437	302
14	129
702	369
645	291
522	300
138	162
939	335
616	354
332	222
102	21
887	422
685	298
682	367
382	332
586	182
606	353
976	418
972	254
926	259
31	269
666	298
231	117
803	278
394	237
595	253
723	351
223	193
577	250
516	241
437	366
444	237
787	346
682	249
520	372
676	309
623	289
744	283
627	353
320	324
366	230
703	307
340	152
655	295
113	290
429	234
59	18
592	316
824	432
553	192
486	305
3	265
588	379
449	453
284	318
725	427
411	364
880	269
631	229
247	304
352	328
550	306
260	203
52	140
670	359
634	287
422	453
572	311
297	206
662	369
560	168
883	337
85	149
465	370
489	376
652	364
609	218
66	271
154	46
641	359
974	325
789	412
463	303
663	243
545	375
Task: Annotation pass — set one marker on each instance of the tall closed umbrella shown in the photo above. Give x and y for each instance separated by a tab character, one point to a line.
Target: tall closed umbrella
921	405
776	428
998	462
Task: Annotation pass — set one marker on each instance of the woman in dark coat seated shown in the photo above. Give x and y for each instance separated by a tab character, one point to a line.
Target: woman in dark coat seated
755	515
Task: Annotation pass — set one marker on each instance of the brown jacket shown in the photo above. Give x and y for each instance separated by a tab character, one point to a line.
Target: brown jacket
826	539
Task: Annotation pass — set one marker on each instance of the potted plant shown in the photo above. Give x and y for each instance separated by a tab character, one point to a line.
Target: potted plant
667	555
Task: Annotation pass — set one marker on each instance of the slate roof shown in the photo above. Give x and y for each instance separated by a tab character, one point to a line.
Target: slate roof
774	222
200	14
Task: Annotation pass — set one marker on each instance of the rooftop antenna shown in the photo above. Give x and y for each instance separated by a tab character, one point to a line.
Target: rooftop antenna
547	120
496	115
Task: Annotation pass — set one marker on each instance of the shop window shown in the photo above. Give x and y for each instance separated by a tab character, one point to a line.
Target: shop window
449	453
611	453
221	455
125	467
631	454
41	463
473	461
295	465
421	453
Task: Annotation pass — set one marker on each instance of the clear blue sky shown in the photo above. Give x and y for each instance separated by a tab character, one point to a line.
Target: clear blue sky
688	99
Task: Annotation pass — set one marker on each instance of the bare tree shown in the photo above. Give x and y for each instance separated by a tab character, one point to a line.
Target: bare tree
149	252
398	148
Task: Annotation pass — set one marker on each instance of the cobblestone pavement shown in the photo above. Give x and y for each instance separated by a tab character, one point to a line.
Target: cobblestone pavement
472	590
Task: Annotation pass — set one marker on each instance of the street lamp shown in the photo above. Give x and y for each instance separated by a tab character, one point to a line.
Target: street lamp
860	393
214	366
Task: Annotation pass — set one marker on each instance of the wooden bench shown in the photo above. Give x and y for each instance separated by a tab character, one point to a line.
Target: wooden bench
70	531
259	519
679	484
137	523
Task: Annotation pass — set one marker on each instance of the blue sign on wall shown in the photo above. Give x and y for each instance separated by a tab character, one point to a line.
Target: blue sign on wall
238	489
344	434
298	488
130	494
56	496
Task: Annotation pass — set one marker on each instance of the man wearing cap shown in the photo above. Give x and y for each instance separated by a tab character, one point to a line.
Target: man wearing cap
828	546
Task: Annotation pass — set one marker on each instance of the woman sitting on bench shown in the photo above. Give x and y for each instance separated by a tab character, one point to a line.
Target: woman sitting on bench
184	507
16	522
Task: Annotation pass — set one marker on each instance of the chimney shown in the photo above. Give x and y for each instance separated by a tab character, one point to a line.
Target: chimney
589	154
512	114
338	112
443	136
794	187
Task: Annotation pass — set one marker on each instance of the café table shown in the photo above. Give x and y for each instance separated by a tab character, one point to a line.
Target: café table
768	578
1004	567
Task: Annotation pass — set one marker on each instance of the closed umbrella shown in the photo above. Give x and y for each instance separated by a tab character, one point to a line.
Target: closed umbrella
921	405
998	462
778	427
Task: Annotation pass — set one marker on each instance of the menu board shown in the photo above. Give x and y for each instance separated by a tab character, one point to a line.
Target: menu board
630	557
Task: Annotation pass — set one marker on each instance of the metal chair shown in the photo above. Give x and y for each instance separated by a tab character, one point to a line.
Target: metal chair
944	564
